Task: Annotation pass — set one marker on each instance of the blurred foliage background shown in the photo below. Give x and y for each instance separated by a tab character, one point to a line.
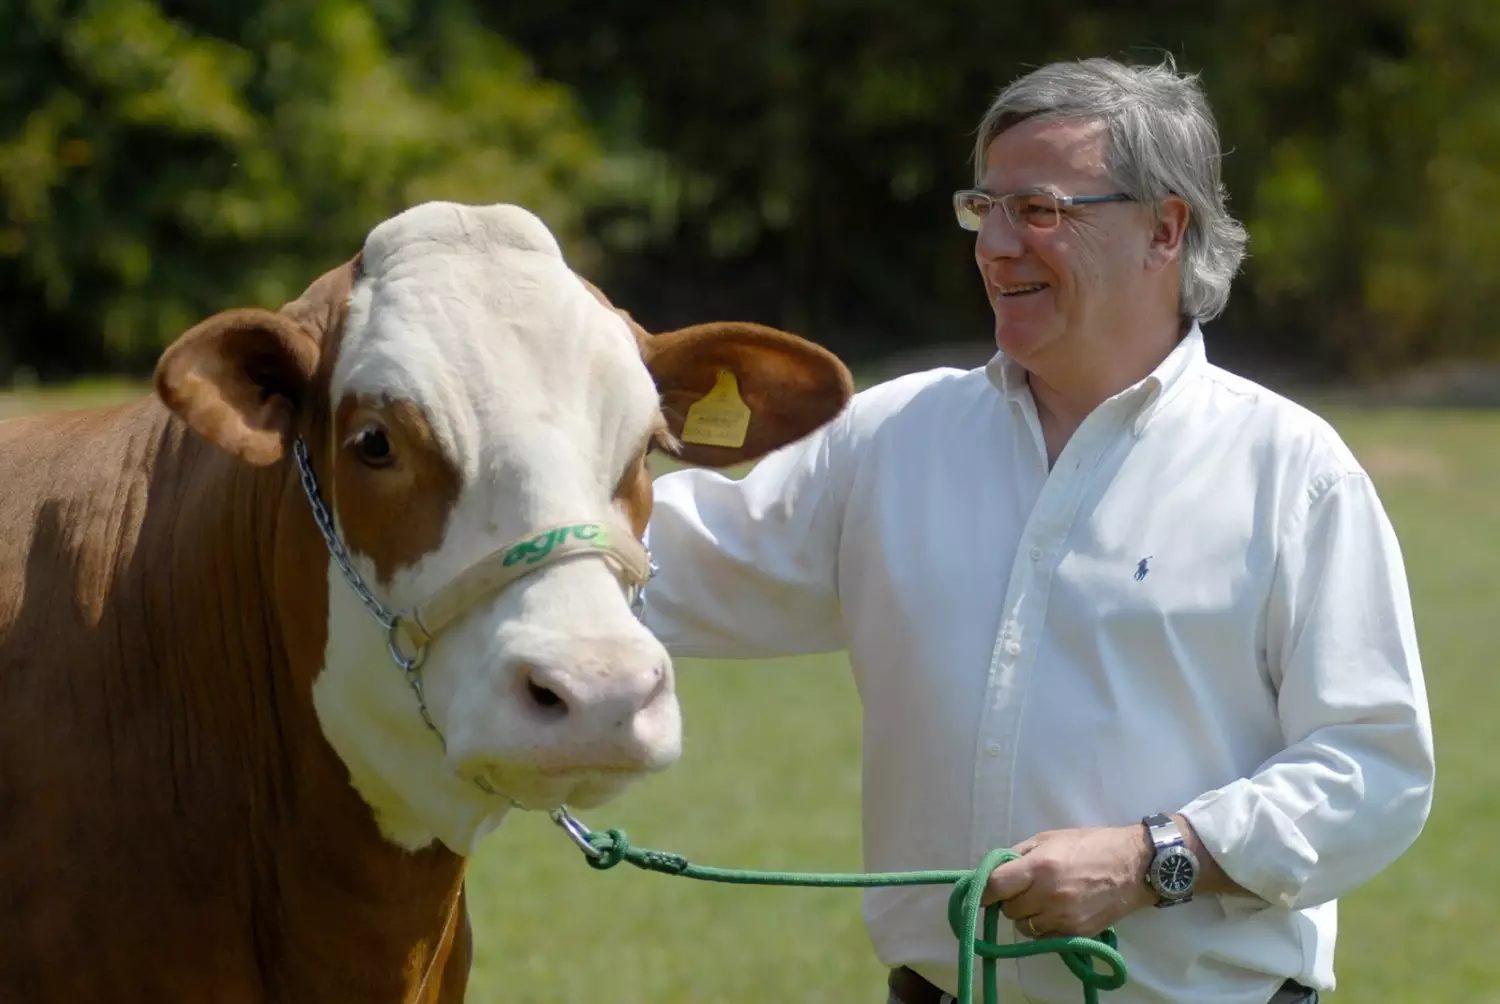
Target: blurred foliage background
787	161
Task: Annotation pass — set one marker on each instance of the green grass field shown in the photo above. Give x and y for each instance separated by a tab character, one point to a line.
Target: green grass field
84	394
769	779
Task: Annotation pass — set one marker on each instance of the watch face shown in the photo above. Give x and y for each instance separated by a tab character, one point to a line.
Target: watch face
1176	874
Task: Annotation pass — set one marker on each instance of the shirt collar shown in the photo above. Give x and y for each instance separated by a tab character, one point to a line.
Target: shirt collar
1159	387
1007	375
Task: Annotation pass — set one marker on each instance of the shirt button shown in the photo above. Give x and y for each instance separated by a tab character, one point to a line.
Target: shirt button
1012	647
993	749
1036	554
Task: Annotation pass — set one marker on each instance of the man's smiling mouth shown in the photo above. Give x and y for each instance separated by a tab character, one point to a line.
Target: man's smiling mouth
1020	289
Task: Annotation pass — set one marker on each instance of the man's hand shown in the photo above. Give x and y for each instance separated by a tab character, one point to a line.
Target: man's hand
1082	881
1073	881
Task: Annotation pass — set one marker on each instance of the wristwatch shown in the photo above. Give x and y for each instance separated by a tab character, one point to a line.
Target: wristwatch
1173	871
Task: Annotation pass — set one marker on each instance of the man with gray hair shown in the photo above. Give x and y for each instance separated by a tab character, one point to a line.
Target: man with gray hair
1106	603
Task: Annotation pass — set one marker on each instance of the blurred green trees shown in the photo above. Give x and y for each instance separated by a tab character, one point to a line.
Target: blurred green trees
783	160
161	161
1362	148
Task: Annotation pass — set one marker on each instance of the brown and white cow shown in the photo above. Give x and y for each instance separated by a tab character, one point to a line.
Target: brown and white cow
215	783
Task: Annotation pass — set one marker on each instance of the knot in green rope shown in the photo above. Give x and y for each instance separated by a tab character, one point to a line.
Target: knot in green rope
1077	953
611	846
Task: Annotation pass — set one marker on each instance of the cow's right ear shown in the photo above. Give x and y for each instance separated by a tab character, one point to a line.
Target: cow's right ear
733	391
238	379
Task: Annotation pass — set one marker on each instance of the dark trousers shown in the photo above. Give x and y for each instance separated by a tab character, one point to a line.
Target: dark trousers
908	987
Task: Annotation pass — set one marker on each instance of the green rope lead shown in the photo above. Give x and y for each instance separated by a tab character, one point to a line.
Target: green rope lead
610	848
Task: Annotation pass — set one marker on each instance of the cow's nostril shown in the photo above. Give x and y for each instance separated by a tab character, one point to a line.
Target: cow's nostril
545	699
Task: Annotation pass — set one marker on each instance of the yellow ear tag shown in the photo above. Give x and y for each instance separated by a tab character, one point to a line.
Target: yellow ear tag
718	418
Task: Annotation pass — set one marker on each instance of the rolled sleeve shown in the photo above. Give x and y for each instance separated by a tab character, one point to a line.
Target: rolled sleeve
1353	787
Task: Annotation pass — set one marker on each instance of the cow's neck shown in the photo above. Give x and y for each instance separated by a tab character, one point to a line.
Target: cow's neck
364	919
370	715
339	912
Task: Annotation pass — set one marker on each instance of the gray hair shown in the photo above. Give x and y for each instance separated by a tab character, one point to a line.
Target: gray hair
1162	140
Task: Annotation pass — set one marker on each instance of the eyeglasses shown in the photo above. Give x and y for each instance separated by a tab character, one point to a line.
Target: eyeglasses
1037	209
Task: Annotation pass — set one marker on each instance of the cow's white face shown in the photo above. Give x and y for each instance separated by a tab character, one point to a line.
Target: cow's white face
481	392
462	389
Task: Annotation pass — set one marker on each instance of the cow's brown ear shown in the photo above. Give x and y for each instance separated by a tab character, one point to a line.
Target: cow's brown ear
238	379
733	391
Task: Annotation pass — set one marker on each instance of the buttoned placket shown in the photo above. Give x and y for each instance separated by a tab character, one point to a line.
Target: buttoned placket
1014	651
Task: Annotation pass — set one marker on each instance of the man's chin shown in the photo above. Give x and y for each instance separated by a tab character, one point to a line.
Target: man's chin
1017	341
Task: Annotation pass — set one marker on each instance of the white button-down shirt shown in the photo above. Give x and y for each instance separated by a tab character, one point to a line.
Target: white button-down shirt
1201	607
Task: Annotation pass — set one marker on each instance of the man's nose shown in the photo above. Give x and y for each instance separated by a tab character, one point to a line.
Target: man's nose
997	238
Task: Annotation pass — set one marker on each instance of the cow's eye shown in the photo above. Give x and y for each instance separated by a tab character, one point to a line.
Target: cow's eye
373	446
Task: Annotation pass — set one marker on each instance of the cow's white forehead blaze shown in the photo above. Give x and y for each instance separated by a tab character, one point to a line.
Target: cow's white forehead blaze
473	314
536	396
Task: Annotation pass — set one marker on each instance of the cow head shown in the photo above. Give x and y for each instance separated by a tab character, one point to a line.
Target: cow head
459	389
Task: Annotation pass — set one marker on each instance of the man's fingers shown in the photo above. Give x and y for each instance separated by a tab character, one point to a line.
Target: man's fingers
1009	880
1032	927
1027	903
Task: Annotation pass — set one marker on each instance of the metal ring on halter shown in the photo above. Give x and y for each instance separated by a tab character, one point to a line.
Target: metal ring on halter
636	593
576	830
407	664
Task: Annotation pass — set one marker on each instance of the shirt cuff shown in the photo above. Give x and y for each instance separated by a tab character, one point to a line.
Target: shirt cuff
1254	842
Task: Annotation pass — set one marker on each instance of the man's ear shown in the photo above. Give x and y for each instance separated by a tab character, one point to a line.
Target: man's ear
1169	231
788	385
238	379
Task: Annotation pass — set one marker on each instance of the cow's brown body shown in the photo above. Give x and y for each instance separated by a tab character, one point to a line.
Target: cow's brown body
175	822
172	823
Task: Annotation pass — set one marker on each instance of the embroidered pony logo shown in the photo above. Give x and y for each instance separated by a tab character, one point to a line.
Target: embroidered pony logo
1142	569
